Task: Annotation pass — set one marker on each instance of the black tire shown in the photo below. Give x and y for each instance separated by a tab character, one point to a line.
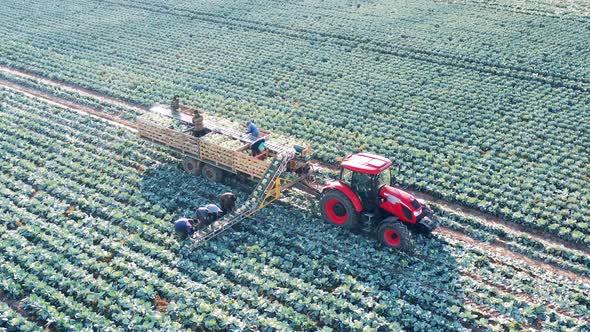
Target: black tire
212	173
338	210
191	166
395	234
421	229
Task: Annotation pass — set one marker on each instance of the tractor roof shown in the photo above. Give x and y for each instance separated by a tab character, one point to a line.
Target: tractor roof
366	163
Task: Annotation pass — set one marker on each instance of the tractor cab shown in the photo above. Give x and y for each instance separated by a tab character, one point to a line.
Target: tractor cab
365	174
364	197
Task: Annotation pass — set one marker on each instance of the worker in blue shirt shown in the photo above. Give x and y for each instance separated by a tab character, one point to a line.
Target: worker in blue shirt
252	130
184	227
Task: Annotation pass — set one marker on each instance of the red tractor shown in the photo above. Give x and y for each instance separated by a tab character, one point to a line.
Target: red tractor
363	198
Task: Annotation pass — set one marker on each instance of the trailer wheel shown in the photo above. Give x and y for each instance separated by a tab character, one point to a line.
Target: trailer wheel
191	165
394	233
212	173
338	210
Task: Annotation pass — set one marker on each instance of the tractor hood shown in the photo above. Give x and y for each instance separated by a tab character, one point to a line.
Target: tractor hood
405	197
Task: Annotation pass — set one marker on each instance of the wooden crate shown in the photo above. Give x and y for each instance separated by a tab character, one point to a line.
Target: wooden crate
235	161
182	142
250	165
217	155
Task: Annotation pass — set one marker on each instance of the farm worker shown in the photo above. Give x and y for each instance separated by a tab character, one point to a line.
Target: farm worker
184	226
259	147
227	202
214	212
304	169
175	105
252	130
202	214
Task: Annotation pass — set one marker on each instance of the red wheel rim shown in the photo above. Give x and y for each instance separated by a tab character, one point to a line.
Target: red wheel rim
391	238
336	212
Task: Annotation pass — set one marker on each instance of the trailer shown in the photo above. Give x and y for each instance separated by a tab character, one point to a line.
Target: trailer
204	156
195	134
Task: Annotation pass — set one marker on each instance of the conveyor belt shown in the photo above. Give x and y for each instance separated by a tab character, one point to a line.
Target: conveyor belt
253	204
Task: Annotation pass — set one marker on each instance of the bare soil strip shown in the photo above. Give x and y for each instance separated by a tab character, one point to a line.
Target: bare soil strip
446	205
48	98
72	88
543	237
513	255
15	304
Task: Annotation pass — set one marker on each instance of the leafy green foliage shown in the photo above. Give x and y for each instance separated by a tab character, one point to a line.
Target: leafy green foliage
467	114
94	249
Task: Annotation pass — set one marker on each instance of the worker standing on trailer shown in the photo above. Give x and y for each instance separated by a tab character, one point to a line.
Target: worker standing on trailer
184	227
227	201
259	147
175	105
252	130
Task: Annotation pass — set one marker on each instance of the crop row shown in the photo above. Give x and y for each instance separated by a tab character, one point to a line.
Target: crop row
73	96
69	223
569	259
12	321
534	174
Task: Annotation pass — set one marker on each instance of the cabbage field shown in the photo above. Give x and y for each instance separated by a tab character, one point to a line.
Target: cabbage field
86	244
481	104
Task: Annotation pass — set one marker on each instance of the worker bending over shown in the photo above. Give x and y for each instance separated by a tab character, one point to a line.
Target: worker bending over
205	216
202	217
214	213
184	227
227	201
259	149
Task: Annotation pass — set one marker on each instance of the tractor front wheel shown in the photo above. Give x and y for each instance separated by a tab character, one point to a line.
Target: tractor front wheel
338	210
394	233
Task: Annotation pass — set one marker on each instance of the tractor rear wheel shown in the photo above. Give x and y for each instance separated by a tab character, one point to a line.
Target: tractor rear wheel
338	210
191	165
394	233
212	173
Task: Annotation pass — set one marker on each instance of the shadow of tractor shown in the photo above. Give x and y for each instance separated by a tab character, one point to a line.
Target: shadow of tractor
287	257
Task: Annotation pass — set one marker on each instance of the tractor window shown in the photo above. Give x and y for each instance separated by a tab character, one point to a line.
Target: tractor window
346	176
362	185
361	181
383	178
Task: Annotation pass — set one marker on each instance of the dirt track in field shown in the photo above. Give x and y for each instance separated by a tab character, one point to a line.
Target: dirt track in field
540	235
452	207
69	105
500	250
72	88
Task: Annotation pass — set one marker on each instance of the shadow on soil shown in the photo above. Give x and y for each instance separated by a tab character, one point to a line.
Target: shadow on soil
287	247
